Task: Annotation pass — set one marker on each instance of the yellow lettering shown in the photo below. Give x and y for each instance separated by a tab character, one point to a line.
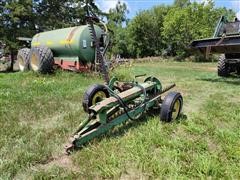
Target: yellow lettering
66	42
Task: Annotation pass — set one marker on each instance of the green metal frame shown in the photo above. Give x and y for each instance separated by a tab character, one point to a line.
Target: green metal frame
221	22
108	113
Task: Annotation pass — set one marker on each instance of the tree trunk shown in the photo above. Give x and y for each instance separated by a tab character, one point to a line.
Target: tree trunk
10	67
12	61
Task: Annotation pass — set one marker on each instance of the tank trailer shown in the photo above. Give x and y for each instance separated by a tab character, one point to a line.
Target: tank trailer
79	49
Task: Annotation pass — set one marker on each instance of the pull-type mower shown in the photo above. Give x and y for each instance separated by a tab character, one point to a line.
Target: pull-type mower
115	103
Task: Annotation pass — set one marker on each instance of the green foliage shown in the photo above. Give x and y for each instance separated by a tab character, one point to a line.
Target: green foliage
54	14
117	16
120	42
17	19
116	20
145	32
195	21
181	3
168	29
123	73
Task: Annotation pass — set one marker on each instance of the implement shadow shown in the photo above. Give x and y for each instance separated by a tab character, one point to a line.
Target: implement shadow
8	72
233	80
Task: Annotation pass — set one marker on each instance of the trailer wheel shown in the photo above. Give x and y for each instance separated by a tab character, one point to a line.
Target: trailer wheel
171	106
223	67
93	95
23	57
41	60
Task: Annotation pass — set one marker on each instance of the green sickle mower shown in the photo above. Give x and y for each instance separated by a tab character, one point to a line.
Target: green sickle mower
110	105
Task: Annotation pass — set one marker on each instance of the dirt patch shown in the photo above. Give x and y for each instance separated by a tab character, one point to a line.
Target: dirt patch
133	173
206	69
225	125
212	145
50	122
63	161
180	132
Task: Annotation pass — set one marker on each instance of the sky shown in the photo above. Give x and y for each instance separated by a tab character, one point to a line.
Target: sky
136	5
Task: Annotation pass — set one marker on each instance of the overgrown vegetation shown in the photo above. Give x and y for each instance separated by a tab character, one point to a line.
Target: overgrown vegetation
39	113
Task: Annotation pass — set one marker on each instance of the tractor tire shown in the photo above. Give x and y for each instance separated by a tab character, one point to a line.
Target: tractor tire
41	60
238	72
171	106
238	69
23	58
223	67
93	95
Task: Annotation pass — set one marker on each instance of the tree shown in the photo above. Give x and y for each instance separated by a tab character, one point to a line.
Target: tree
117	19
195	21
16	20
181	3
117	16
55	14
142	34
145	32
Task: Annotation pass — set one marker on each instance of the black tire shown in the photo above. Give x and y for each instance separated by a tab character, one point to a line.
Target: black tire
23	58
41	60
169	109
93	95
223	67
238	72
238	69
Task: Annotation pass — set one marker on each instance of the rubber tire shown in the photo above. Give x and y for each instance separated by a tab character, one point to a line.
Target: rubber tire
23	57
238	69
44	58
90	93
168	104
223	69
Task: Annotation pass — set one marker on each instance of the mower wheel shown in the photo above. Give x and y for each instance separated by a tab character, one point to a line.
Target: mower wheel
23	57
41	60
171	106
223	67
93	95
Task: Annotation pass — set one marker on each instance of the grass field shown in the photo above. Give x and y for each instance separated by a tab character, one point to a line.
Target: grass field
39	113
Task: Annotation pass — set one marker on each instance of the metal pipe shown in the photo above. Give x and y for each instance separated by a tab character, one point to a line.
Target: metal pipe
168	88
84	123
163	91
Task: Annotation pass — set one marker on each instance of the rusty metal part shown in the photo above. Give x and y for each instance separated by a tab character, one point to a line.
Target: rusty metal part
99	58
69	147
123	86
